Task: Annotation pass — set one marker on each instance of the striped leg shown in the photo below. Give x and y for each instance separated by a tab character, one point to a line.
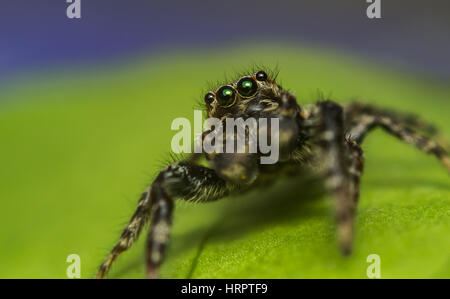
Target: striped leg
355	164
361	126
365	123
129	234
421	142
181	180
355	110
356	167
185	181
335	156
159	233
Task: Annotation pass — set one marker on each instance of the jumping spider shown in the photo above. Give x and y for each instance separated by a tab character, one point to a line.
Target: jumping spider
324	138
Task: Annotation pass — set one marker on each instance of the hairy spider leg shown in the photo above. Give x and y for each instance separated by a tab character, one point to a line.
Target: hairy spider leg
160	227
367	122
354	110
183	180
356	167
335	156
129	234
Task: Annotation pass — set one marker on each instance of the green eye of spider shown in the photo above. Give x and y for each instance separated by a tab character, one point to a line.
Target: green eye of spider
225	95
247	87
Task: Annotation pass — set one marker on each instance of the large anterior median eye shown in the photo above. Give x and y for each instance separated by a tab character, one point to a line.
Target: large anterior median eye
247	87
225	95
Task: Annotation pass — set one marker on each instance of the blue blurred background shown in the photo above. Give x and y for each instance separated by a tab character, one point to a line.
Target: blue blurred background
37	34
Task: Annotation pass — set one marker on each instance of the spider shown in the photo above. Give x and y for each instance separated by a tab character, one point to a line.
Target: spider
324	138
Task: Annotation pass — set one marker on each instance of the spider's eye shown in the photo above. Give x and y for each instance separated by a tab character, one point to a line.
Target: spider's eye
261	76
209	98
247	87
225	95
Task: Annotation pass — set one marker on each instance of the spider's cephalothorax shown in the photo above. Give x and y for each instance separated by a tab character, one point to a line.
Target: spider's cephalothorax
324	138
254	96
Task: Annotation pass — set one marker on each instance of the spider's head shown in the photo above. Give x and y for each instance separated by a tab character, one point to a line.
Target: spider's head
255	95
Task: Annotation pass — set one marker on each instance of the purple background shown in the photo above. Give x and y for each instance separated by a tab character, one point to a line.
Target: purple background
414	35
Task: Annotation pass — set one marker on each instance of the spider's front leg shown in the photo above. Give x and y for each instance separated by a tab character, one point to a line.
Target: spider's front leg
342	164
183	180
129	234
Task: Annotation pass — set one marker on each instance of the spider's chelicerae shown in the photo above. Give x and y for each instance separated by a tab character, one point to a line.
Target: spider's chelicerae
324	137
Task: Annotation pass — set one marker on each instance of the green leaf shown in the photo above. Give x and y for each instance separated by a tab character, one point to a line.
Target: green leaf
78	147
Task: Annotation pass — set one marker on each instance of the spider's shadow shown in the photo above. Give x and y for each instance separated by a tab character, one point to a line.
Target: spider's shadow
288	199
